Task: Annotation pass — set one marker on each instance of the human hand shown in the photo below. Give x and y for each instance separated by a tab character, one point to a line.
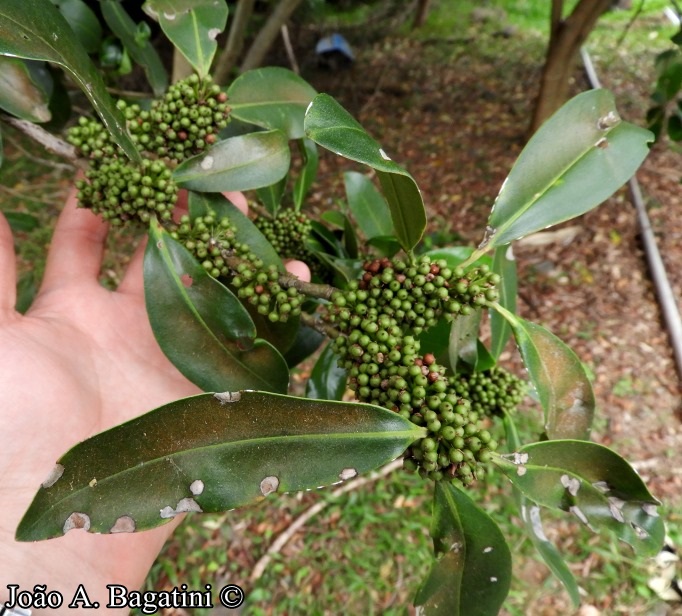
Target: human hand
81	360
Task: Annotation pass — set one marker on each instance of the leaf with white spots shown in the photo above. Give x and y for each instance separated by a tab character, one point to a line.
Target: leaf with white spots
245	162
472	572
532	520
203	454
192	26
559	378
577	159
273	98
331	126
592	483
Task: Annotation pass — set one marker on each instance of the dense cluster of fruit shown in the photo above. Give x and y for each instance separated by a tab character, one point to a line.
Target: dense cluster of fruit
379	318
491	392
181	124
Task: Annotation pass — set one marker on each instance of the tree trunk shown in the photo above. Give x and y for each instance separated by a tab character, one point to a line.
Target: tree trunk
268	33
421	13
235	41
566	37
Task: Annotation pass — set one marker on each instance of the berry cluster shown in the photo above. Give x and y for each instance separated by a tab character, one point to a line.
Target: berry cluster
378	318
286	232
492	392
212	241
181	124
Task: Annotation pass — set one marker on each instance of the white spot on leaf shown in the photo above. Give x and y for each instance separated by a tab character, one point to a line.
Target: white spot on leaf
639	531
228	396
187	505
521	471
572	484
207	163
536	523
608	121
487	550
54	476
650	510
577	512
169	16
509	255
124	524
77	520
520	458
93	482
269	485
167	512
601	486
493	579
213	33
384	155
347	473
196	487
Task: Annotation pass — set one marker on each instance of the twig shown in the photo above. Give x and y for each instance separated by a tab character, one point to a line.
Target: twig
38	159
289	49
315	323
301	520
49	141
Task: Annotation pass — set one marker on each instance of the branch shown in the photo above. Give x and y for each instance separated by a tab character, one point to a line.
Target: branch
301	520
318	325
235	41
48	140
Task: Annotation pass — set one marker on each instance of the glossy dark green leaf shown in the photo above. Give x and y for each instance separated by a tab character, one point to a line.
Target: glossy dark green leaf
20	221
504	264
36	30
83	22
307	341
577	159
273	98
141	50
457	255
591	482
19	94
436	340
281	335
558	376
332	127
202	327
350	239
385	245
210	453
472	573
331	242
675	127
271	196
367	204
532	520
239	163
308	171
327	380
192	26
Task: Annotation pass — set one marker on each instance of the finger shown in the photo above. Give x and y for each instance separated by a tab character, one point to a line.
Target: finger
237	199
77	246
8	268
299	269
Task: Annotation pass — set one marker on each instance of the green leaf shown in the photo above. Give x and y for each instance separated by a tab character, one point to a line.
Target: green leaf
271	196
593	483
36	30
307	341
472	573
436	340
504	264
27	289
140	49
327	380
20	221
239	163
192	26
578	158
456	255
367	204
211	453
331	126
202	327
273	98
559	379
19	94
464	340
308	172
532	520
83	22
